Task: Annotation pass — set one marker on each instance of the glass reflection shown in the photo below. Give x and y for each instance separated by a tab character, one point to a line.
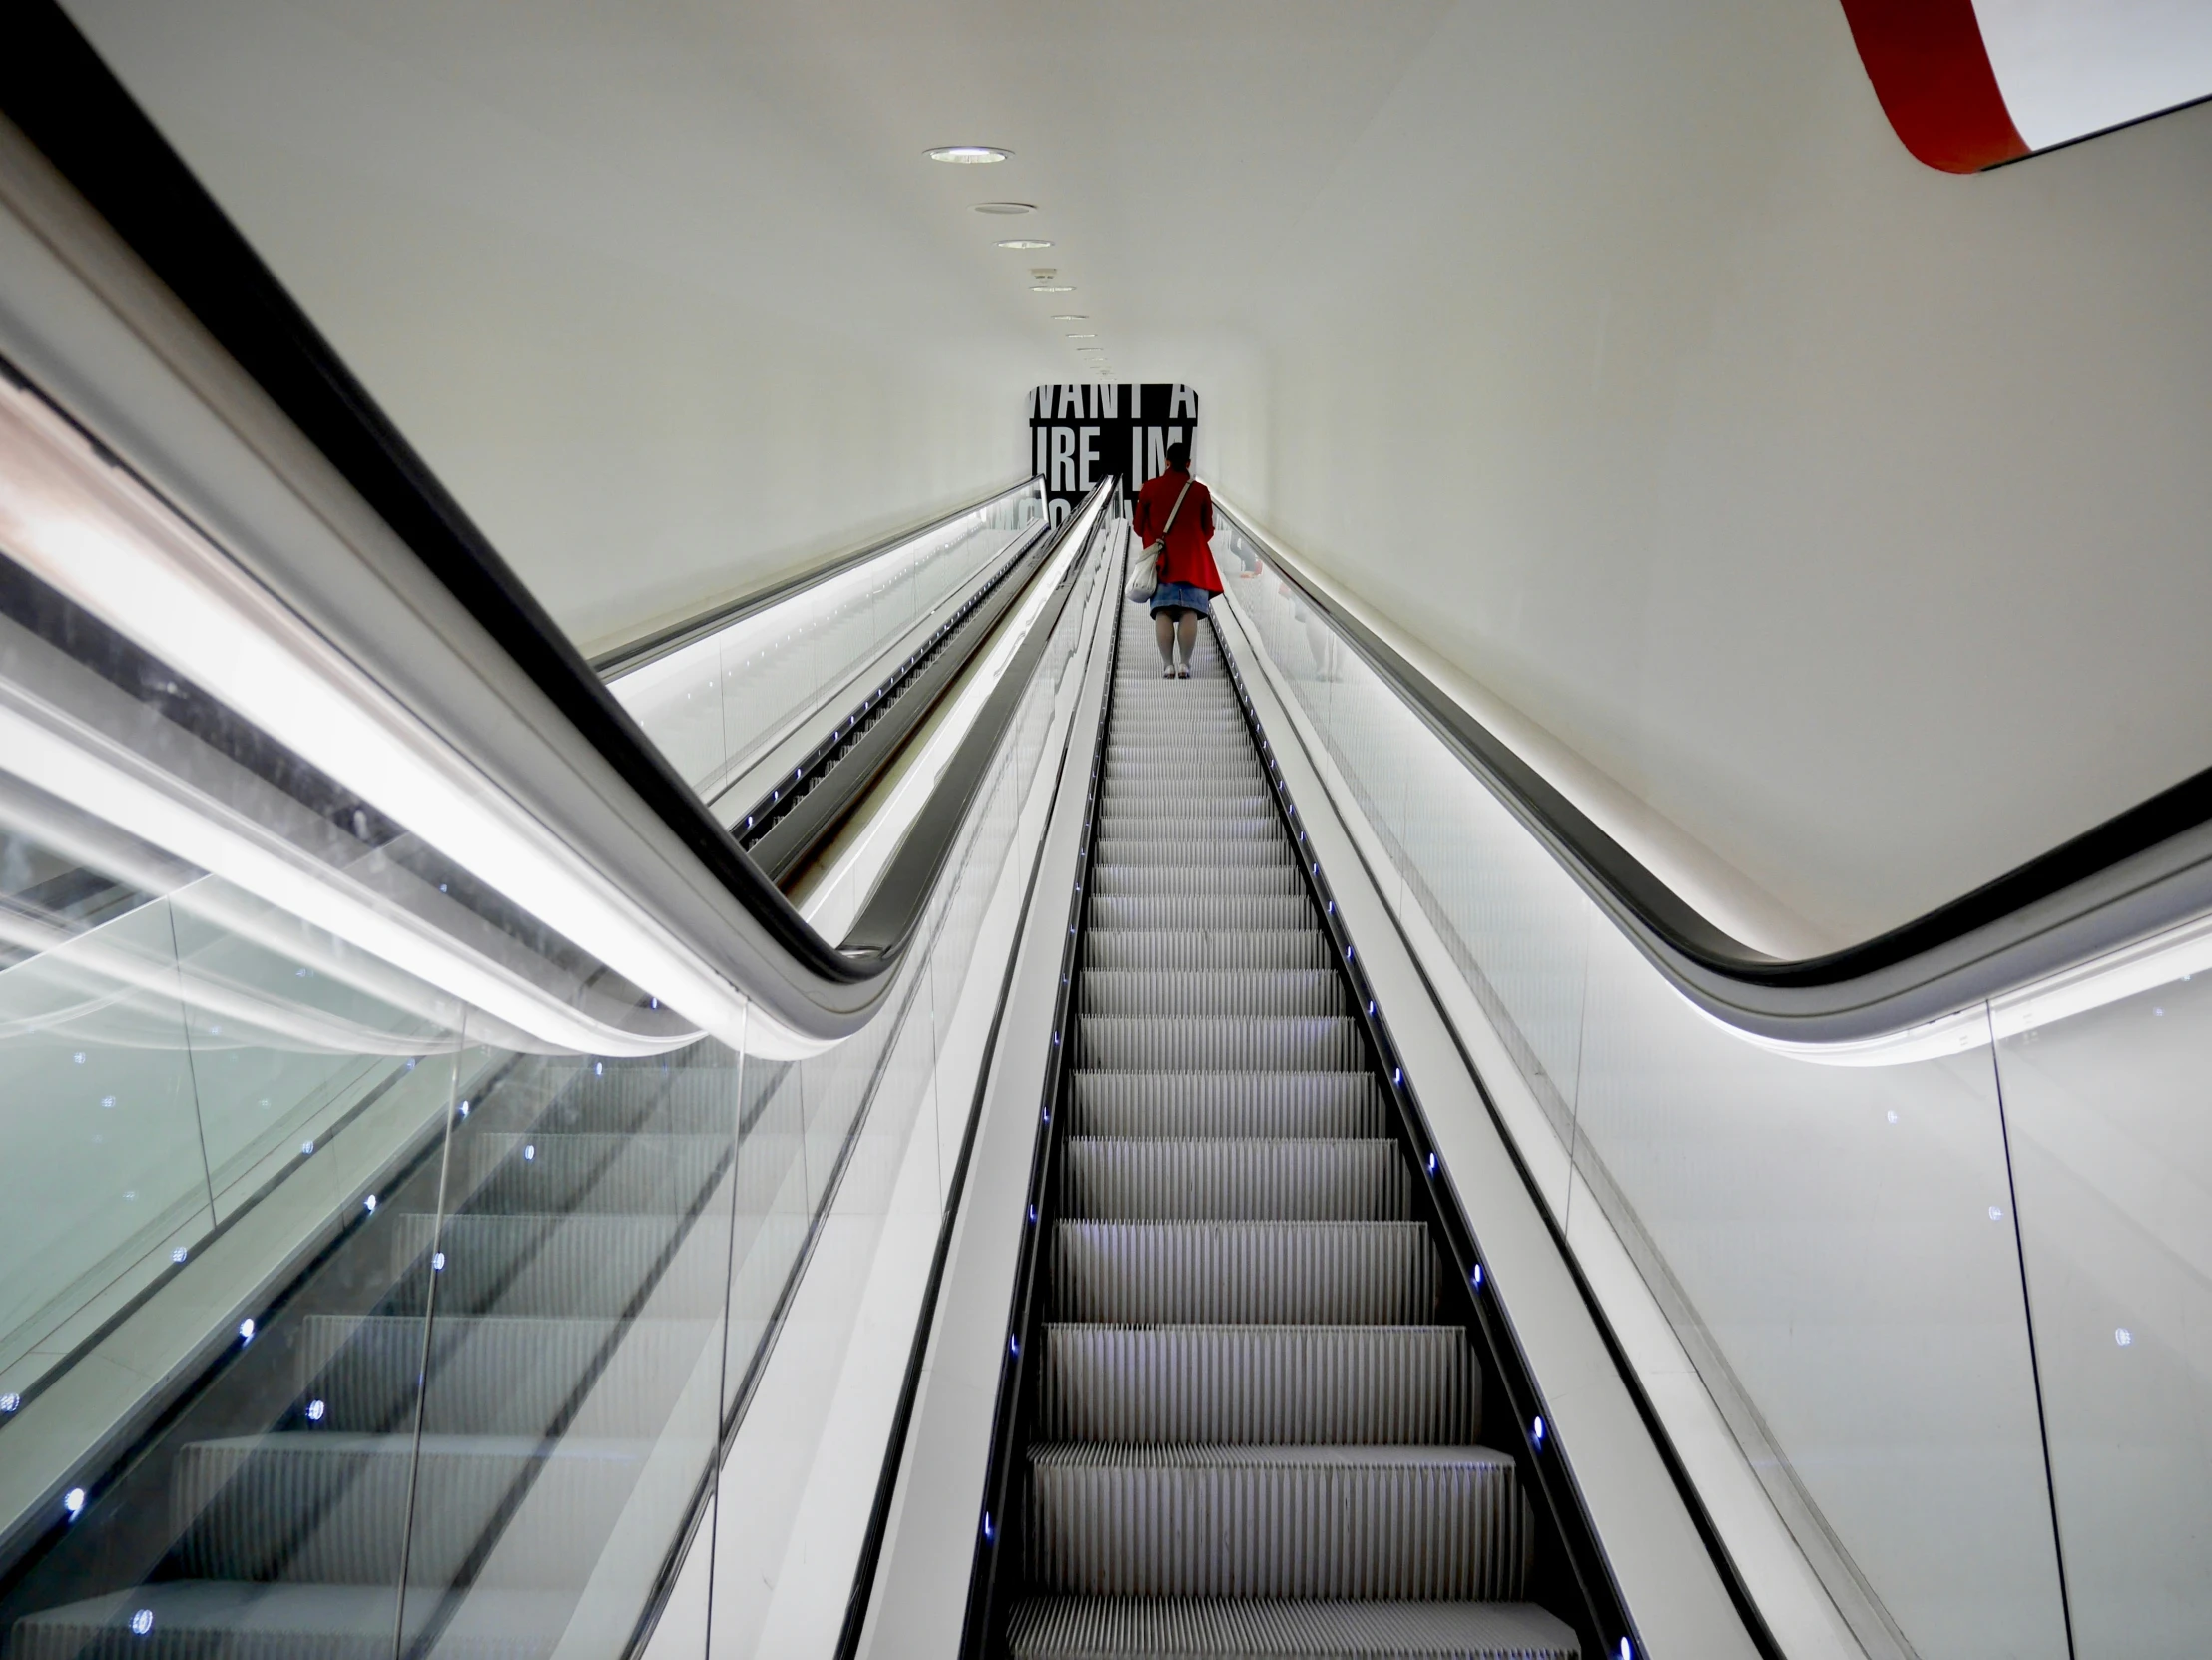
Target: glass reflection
2112	1154
1819	1238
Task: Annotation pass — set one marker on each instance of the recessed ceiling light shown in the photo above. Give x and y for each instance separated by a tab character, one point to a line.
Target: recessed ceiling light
1005	206
1053	287
969	154
1024	242
1085	337
1072	317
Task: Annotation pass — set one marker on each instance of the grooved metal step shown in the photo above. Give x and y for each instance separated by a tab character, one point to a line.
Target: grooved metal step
625	1100
1414	1522
1206	1104
1180	880
1259	1385
234	1622
498	1376
307	1506
1244	1273
564	1267
1149	800
1165	995
1303	1043
1180	951
1252	1628
1222	914
1167	792
1279	1177
1251	840
527	1171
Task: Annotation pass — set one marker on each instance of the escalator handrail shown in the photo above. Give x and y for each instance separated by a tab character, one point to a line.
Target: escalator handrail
835	778
633	655
62	96
2134	875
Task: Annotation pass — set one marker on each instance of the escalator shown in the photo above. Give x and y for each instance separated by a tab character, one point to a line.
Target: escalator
1378	1216
1258	1424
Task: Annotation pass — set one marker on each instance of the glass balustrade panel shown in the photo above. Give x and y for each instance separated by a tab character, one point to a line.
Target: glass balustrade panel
2110	1114
1834	1246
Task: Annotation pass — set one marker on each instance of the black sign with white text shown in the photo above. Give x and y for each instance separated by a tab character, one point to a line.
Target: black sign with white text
1079	434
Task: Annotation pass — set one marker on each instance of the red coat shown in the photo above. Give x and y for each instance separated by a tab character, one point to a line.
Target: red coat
1188	557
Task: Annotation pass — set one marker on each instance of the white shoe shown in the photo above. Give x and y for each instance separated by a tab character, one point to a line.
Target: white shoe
1168	672
1183	673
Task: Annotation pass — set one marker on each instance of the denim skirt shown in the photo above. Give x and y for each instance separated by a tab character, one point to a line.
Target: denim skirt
1188	595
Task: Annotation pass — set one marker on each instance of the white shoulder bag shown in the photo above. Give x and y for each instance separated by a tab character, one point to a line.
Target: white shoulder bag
1144	581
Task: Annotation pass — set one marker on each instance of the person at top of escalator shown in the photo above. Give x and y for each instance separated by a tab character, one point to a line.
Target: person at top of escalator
1187	579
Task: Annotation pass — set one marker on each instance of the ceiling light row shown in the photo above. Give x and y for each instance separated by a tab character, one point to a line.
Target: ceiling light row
974	154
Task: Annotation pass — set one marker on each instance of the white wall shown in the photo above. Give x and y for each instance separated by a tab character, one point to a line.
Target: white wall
1854	515
636	299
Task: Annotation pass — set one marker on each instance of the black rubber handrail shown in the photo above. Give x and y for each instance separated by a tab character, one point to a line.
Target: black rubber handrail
791	826
886	927
63	98
2138	873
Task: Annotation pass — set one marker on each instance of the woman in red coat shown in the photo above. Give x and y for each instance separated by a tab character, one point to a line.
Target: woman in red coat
1187	579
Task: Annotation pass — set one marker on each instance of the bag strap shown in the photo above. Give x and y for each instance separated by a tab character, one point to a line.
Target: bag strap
1178	507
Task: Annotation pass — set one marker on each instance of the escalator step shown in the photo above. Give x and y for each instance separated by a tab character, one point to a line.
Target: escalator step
1180	880
196	1620
518	1171
1226	833
1282	991
1127	853
1207	1104
1306	1044
1143	806
1251	1628
1414	1522
1244	1273
496	1377
1175	793
1142	738
306	1506
557	1266
1258	1385
1115	1178
625	1101
1181	951
1224	914
1186	795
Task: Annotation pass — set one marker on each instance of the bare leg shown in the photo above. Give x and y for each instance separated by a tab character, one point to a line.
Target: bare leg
1163	630
1188	628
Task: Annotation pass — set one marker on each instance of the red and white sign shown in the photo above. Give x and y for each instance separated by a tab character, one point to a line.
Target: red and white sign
1971	82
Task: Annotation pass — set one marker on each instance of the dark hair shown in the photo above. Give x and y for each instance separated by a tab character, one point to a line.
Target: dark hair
1179	458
